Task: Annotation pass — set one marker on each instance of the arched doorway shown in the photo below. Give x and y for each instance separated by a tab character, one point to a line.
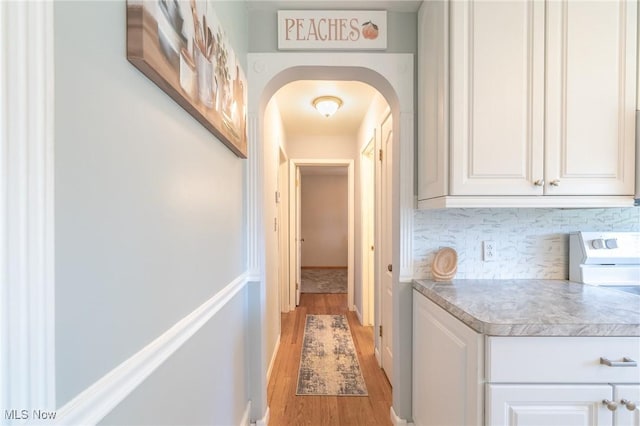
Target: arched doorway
392	75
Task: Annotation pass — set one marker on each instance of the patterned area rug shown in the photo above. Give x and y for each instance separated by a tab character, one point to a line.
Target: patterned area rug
324	280
329	363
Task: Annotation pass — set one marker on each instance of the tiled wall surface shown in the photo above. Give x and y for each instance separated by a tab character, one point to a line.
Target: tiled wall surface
531	243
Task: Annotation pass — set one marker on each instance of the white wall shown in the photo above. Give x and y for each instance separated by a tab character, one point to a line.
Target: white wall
150	223
322	146
324	220
531	243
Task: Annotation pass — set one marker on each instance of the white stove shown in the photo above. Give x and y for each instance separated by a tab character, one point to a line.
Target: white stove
606	259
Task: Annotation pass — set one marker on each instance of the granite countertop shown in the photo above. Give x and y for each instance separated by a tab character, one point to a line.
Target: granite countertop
536	307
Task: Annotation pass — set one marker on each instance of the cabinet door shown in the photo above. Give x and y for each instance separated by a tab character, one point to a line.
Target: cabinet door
591	89
548	405
447	356
624	416
433	124
497	97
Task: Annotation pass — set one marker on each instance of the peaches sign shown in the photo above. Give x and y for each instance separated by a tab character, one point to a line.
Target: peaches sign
332	30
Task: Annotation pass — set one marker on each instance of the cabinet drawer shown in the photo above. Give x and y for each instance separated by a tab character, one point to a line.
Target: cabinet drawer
561	359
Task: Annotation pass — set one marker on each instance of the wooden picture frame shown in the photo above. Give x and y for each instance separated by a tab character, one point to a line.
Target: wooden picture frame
181	46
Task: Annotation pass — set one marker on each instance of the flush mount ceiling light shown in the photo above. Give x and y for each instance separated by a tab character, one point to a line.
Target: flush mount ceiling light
327	105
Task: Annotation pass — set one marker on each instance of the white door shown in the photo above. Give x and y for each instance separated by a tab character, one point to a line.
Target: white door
385	246
548	405
497	97
367	186
299	239
591	92
628	399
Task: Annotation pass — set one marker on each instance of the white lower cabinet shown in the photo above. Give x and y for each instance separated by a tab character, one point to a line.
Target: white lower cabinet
628	399
461	377
537	381
548	405
447	368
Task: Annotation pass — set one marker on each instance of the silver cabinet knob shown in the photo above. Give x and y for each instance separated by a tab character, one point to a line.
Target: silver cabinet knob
611	405
611	243
555	182
631	406
597	244
539	182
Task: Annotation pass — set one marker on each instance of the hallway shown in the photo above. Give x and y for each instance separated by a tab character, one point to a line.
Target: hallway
288	409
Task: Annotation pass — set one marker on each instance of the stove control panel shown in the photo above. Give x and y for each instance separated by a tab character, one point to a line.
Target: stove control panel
604	257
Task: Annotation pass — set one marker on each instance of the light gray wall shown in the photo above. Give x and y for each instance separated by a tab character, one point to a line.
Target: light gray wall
187	391
149	216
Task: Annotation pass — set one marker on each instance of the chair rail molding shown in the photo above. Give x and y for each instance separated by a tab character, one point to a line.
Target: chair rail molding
27	363
99	399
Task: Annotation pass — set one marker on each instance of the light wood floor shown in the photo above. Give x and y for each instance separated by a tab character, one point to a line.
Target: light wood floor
288	409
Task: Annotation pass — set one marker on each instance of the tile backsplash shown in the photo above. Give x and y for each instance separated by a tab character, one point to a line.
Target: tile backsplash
530	243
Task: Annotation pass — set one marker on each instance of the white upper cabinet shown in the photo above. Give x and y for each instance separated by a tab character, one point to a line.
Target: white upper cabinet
497	101
521	101
591	97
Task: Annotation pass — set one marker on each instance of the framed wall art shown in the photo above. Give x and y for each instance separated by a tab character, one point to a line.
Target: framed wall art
181	46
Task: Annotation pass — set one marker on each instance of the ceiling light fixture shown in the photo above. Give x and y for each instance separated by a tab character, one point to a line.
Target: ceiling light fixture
327	105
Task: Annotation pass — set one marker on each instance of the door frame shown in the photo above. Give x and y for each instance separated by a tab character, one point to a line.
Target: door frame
367	222
27	206
282	198
295	164
392	74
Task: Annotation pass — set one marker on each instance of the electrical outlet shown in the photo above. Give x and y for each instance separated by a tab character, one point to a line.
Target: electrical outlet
489	250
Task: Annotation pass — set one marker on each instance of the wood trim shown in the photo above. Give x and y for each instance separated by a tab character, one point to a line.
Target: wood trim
99	399
255	233
27	316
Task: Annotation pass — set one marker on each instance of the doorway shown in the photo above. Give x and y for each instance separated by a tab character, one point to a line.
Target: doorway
392	75
316	254
324	230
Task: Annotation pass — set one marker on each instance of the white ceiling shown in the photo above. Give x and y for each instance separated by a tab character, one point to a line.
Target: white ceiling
392	5
300	117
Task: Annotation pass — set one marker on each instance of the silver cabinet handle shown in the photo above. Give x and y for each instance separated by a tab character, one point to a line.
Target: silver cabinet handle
631	406
626	362
539	182
555	182
611	406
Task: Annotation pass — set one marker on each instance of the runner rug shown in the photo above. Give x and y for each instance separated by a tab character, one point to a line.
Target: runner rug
329	363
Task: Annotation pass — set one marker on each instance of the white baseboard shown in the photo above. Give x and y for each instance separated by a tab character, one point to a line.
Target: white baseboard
397	421
376	352
358	314
273	359
246	417
99	399
265	420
